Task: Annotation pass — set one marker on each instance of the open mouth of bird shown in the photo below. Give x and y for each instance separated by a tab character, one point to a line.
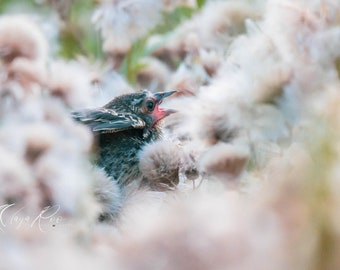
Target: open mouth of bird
160	113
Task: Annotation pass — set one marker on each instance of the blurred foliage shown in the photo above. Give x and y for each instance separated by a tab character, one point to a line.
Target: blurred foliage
133	61
318	192
3	5
77	35
19	6
200	3
337	64
173	19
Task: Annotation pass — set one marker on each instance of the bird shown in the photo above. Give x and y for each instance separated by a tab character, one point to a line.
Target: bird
122	128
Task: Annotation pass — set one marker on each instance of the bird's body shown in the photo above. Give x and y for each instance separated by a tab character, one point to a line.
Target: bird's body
118	153
122	128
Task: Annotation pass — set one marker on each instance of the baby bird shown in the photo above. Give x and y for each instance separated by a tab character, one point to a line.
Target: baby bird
122	127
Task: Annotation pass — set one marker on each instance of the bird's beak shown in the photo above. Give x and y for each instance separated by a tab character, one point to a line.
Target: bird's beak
162	95
160	113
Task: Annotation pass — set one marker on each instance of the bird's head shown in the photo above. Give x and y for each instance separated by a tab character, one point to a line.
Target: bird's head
145	105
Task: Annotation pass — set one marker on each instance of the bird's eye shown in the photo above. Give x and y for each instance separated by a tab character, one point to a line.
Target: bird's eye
150	105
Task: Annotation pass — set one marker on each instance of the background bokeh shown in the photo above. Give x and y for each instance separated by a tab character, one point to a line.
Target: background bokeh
246	175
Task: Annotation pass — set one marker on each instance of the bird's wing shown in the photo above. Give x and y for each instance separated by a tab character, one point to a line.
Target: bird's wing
105	120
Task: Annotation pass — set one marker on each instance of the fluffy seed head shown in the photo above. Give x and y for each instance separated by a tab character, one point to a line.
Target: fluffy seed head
224	161
108	195
159	163
21	37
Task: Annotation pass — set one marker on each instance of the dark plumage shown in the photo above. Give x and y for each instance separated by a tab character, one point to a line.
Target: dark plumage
122	127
